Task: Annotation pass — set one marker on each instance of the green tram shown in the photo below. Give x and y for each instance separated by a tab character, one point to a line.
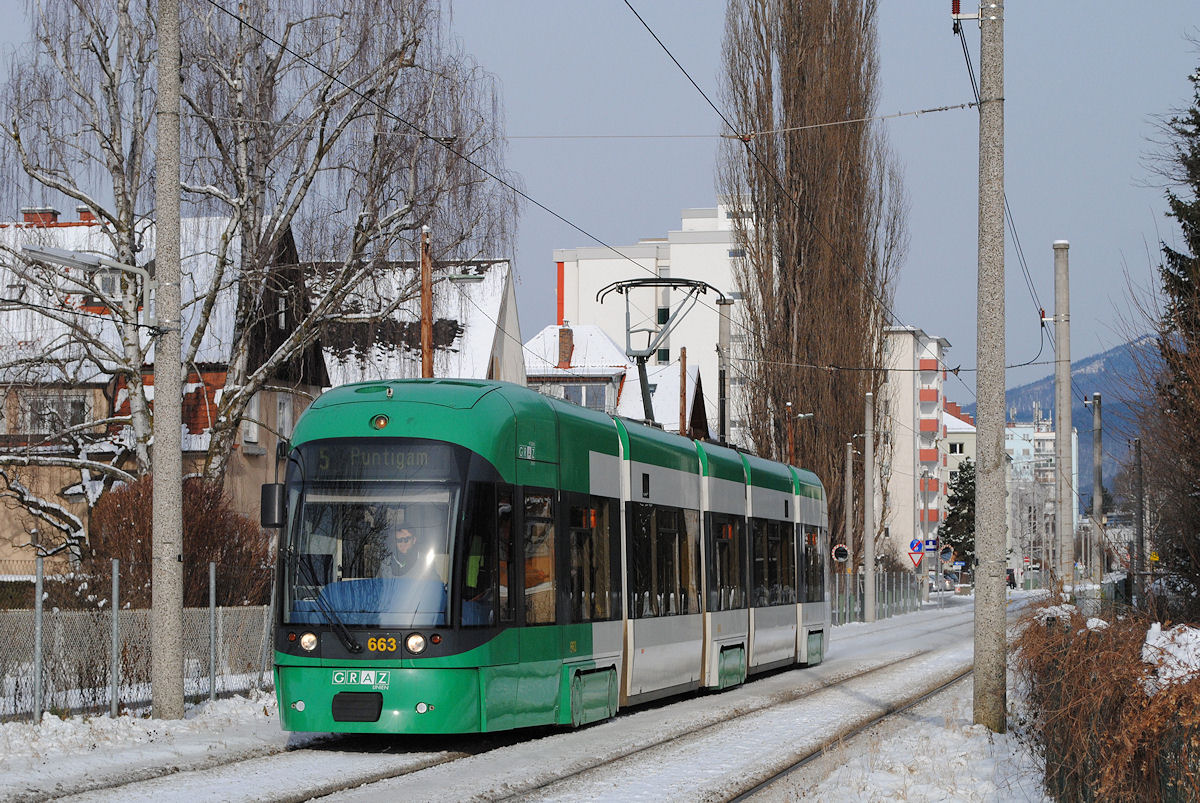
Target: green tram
464	556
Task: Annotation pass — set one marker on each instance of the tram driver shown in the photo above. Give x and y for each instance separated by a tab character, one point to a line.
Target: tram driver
402	556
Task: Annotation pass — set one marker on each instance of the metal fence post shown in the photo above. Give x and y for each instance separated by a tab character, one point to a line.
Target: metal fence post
37	640
114	672
212	630
266	637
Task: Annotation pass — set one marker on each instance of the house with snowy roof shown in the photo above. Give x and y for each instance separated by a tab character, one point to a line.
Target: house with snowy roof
583	365
71	378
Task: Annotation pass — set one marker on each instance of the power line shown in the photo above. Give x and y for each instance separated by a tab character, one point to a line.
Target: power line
746	139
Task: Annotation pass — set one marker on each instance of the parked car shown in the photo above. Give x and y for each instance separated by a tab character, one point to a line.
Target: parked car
944	583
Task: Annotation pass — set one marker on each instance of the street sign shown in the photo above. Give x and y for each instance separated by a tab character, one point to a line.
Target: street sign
959	564
841	554
931	544
914	545
915	557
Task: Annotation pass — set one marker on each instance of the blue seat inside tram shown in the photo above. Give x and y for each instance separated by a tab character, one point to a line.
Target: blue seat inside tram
377	602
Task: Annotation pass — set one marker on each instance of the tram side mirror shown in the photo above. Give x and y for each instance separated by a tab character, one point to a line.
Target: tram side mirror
273	509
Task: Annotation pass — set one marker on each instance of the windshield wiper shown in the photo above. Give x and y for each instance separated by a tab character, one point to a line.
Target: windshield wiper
331	616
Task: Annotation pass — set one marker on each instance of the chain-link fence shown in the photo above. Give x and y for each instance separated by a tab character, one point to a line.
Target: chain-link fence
98	658
895	593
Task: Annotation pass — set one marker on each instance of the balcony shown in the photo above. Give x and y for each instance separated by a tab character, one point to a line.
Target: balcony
929	485
928	365
928	394
930	515
929	425
927	455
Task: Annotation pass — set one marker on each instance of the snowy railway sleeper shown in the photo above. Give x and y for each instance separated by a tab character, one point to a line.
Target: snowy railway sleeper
463	556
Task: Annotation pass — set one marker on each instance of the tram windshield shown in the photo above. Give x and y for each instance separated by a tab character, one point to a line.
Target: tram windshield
371	532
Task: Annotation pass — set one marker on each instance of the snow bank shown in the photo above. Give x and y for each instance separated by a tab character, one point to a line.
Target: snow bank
1174	654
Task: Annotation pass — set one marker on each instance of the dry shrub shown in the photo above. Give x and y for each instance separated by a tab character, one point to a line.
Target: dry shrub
212	531
1104	737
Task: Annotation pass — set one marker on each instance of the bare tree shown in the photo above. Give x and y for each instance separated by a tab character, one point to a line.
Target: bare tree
336	133
821	213
352	128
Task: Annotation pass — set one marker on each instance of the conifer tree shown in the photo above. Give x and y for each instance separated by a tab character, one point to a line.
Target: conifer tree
1177	485
958	529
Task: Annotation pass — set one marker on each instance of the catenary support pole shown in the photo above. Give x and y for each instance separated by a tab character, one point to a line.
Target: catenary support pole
1096	559
1139	527
848	507
114	657
166	620
1064	518
990	695
869	510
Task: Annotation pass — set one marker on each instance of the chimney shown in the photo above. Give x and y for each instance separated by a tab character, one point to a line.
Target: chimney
39	215
85	214
566	345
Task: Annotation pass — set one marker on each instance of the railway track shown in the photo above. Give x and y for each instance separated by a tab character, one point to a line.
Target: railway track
548	763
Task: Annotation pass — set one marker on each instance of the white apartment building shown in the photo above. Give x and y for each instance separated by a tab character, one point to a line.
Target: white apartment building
702	249
1032	494
912	497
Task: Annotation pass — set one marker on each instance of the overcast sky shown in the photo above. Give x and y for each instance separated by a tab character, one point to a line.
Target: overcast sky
1083	82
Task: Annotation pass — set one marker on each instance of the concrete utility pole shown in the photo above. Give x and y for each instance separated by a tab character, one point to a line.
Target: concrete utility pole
869	512
166	574
1065	516
990	697
1094	564
848	502
426	306
1139	528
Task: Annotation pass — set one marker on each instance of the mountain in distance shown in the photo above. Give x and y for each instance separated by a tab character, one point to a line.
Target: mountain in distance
1114	375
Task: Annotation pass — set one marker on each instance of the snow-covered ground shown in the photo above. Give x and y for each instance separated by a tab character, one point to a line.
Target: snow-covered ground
931	752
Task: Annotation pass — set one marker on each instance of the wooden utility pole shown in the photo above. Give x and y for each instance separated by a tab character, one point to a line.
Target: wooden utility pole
683	429
991	691
426	306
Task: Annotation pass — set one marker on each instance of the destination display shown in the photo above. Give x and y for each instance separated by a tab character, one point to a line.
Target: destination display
376	459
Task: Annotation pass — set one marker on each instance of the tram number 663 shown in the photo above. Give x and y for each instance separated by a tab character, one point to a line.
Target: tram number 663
382	644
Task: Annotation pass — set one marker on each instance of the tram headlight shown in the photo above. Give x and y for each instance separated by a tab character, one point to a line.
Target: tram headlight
415	643
308	642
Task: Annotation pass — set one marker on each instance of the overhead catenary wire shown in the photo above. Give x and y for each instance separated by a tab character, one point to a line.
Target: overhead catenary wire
747	141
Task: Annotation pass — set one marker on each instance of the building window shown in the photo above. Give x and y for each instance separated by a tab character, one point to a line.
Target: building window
737	253
47	413
591	396
956	448
283	416
664	355
250	420
664	315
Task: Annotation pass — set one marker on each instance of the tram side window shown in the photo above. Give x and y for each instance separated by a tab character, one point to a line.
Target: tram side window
504	551
479	570
774	562
539	558
727	583
664	561
591	560
814	565
787	564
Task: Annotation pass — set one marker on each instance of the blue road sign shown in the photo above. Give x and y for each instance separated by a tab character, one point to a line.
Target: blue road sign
914	545
931	544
